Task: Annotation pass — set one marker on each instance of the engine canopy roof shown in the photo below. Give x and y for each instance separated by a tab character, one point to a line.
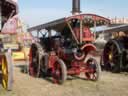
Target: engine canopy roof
59	24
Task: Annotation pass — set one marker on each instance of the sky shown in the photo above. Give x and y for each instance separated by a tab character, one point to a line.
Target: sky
35	12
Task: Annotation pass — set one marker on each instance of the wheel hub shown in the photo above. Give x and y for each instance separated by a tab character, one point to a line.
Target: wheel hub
110	56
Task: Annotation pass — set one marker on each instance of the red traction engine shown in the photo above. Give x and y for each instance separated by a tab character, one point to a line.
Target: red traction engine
69	51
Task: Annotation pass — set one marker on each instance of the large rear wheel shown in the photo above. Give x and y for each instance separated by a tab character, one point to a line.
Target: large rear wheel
35	55
7	71
112	56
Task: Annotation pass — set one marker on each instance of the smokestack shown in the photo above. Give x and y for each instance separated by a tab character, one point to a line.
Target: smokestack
76	7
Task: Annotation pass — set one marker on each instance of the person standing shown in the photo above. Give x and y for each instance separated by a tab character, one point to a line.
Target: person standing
1	45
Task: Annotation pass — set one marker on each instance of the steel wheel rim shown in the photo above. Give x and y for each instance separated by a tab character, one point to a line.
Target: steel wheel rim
4	73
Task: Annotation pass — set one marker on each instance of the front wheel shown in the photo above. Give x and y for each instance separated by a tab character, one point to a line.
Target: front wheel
59	72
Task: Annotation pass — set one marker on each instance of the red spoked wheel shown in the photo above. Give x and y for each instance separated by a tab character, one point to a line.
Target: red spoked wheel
93	68
59	72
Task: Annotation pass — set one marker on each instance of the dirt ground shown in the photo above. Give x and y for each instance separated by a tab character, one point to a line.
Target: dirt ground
109	85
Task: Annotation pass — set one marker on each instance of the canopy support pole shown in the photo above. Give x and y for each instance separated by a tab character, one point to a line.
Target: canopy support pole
81	33
95	30
72	33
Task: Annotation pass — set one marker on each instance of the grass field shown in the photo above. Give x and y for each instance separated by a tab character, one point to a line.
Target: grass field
109	85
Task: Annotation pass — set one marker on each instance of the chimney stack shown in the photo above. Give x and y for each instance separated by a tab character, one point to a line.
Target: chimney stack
76	7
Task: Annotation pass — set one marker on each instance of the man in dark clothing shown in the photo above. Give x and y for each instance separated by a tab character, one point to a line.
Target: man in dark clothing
1	45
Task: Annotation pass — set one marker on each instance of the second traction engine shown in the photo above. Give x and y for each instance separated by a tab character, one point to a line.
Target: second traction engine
69	52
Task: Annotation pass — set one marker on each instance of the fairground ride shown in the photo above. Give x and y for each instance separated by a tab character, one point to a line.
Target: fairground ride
8	9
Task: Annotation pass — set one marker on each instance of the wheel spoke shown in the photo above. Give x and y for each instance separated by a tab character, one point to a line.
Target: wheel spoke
112	48
4	73
4	83
115	51
116	56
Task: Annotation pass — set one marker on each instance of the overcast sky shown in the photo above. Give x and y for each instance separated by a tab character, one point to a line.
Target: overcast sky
34	12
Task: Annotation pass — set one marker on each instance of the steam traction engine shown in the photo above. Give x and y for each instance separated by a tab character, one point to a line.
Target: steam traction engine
69	52
115	54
